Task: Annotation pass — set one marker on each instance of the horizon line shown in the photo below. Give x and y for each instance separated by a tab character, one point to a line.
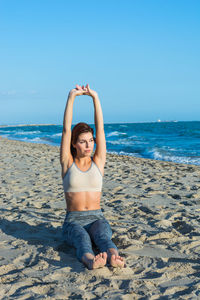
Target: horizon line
140	122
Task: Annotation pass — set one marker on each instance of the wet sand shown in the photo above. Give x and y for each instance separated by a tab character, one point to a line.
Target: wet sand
153	208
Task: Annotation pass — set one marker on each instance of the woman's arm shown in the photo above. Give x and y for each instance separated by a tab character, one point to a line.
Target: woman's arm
65	151
100	152
65	147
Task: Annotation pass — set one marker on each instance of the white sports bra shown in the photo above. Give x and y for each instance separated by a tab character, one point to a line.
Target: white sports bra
76	180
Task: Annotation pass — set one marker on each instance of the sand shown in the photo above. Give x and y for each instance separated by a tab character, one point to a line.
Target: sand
152	206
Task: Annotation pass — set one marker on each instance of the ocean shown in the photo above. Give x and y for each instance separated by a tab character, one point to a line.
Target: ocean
168	141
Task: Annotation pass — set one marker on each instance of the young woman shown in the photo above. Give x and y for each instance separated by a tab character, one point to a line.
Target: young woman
82	181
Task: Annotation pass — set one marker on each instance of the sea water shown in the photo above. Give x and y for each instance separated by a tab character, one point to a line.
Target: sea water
167	141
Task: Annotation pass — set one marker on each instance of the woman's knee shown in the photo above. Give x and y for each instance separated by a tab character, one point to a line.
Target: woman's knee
100	229
74	234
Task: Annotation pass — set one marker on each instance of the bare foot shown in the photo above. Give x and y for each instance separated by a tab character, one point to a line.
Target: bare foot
95	262
116	261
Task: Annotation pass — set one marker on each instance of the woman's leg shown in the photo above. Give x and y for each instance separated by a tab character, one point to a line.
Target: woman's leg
101	233
76	236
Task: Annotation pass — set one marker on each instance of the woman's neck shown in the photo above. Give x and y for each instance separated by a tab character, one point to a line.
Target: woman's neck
83	160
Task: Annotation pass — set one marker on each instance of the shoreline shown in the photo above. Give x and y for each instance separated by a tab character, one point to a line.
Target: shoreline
171	143
153	209
108	153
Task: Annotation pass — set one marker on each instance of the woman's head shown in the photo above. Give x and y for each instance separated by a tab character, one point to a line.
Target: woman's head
82	140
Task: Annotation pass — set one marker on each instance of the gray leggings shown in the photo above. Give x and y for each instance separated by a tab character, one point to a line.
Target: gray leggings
80	228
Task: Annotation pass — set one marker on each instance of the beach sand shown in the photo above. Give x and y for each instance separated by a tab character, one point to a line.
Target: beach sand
153	208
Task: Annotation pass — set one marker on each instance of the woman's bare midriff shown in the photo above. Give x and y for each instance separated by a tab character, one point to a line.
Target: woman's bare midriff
82	201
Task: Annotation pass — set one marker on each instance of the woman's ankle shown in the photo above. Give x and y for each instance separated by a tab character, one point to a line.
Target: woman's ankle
112	251
87	257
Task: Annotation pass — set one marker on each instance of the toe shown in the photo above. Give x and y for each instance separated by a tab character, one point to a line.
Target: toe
104	255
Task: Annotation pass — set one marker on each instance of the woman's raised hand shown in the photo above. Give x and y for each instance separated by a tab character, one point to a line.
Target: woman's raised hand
90	92
78	91
81	90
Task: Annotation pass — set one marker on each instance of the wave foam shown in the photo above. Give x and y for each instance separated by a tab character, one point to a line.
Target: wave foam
116	133
121	142
174	158
26	132
125	153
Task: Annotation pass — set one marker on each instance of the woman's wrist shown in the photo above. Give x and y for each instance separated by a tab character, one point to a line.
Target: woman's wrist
94	97
71	96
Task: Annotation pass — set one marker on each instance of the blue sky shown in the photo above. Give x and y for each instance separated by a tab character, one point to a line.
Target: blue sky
142	57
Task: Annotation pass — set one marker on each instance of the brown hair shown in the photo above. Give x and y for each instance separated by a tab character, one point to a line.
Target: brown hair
76	131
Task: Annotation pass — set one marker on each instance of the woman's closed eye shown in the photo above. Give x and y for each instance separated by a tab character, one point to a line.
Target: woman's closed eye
81	142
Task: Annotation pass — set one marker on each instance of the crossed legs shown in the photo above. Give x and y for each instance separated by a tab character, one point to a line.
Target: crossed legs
100	232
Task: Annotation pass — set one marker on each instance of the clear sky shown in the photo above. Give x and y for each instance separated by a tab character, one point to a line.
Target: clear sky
142	57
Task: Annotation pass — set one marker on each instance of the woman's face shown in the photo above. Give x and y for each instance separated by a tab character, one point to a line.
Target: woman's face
85	144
